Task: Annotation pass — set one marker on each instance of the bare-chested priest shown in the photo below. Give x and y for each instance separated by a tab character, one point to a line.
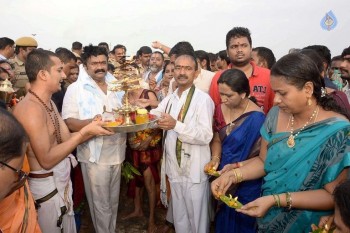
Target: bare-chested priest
50	143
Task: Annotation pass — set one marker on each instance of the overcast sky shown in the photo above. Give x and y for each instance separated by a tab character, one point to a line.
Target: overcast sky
278	25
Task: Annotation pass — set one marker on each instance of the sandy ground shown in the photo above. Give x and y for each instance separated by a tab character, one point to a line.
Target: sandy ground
134	225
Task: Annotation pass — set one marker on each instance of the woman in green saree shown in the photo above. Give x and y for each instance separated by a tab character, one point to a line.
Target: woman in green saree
305	151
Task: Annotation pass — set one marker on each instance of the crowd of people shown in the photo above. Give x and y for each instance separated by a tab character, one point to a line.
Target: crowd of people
274	133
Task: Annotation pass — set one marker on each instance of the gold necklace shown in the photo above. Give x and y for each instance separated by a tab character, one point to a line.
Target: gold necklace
291	141
231	125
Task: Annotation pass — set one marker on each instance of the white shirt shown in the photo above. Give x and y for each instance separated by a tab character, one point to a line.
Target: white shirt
2	57
346	90
203	80
113	147
195	134
158	77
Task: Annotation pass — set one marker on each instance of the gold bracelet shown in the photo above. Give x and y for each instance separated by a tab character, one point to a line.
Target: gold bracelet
236	177
289	200
238	174
279	200
276	197
216	156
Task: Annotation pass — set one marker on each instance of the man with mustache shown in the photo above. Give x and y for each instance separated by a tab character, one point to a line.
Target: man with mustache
186	116
155	74
345	71
100	157
118	55
144	55
239	50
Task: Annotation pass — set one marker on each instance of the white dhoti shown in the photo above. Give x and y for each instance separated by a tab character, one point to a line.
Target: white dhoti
102	188
189	184
169	213
190	204
50	211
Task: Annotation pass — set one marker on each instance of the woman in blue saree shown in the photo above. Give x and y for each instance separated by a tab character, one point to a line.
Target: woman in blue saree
236	138
305	151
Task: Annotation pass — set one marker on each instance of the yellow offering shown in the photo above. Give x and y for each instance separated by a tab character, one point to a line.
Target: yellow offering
324	229
231	202
112	124
213	172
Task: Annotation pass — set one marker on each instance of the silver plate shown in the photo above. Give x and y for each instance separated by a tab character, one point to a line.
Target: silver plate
134	128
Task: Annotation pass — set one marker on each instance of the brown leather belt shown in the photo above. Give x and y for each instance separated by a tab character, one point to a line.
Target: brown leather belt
45	198
32	175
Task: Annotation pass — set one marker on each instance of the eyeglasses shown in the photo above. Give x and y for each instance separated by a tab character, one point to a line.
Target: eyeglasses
21	174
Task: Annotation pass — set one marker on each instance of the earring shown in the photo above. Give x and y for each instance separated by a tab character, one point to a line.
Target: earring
309	101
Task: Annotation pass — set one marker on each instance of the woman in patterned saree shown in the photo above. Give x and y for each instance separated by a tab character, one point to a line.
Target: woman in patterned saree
236	124
305	151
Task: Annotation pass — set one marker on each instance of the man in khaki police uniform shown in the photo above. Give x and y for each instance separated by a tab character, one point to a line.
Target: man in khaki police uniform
24	46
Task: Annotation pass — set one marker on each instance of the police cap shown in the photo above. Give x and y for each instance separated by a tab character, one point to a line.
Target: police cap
26	42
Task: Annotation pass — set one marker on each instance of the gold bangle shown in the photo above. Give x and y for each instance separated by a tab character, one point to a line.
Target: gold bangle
236	177
216	156
289	200
276	197
279	200
238	174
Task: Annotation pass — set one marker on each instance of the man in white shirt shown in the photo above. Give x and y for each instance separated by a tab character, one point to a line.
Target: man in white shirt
7	48
187	115
203	79
155	73
100	157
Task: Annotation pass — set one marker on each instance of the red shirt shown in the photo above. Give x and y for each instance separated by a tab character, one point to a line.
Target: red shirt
259	84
